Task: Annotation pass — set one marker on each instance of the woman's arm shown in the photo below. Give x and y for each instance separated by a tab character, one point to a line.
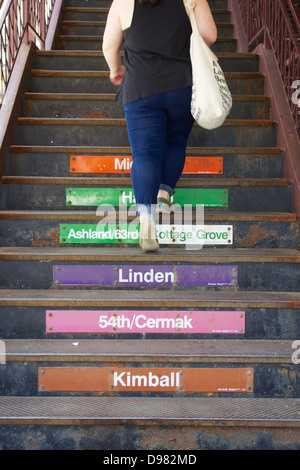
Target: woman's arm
205	21
112	41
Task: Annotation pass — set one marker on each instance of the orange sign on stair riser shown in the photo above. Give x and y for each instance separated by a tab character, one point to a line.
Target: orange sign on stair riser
93	379
107	164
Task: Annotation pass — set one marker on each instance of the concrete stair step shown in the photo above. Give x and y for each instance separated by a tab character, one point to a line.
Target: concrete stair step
97	81
87	131
124	299
149	351
282	413
85	105
265	162
168	255
47	228
207	269
100	14
94	61
94	43
250	422
241	194
106	3
91	28
258	368
53	314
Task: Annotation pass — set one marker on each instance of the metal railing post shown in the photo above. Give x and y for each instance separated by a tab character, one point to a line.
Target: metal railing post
275	24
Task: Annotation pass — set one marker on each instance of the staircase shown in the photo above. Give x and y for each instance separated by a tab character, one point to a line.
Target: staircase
107	347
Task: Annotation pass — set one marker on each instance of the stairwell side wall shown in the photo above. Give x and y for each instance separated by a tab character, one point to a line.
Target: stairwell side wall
10	108
287	136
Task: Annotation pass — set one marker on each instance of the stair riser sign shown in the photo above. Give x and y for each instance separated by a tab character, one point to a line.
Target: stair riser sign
145	275
98	379
129	233
107	164
125	197
127	321
2	352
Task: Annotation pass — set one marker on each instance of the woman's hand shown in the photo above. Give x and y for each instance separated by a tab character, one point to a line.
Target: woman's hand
117	77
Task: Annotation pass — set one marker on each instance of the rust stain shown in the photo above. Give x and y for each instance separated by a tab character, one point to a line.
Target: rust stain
255	235
172	439
94	114
51	239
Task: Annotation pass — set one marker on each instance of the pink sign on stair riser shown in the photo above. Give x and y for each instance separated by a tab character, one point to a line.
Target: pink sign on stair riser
142	321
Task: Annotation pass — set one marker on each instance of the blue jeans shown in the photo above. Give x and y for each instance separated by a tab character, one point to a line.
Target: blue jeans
158	129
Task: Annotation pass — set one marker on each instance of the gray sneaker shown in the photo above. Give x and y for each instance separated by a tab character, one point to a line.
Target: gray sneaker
164	206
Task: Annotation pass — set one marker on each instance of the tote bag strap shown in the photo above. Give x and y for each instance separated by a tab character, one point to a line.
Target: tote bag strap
190	5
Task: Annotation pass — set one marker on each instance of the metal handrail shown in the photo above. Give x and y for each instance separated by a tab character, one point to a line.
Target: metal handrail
275	24
21	21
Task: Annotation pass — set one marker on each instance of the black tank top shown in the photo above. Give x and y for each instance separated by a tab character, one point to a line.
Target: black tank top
157	51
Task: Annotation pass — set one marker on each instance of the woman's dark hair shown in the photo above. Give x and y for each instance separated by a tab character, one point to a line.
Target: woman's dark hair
150	2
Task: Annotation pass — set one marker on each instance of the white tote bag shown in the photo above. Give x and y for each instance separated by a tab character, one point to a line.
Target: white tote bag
211	98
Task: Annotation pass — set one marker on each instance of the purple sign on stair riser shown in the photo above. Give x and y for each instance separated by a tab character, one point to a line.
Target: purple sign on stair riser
145	275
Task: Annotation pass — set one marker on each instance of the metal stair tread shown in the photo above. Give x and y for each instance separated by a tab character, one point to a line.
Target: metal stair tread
111	96
103	23
185	351
105	73
71	37
105	10
88	9
122	254
70	52
148	298
126	181
127	150
122	121
83	23
249	412
90	215
69	96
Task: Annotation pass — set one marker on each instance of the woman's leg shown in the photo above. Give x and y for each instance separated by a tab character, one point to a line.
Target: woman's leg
180	123
146	124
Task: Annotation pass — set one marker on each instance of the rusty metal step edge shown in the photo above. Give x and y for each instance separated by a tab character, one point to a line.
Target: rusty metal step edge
103	23
87	9
69	96
85	23
126	181
127	150
77	37
106	10
122	122
105	74
63	52
122	254
111	96
151	299
244	351
91	216
245	412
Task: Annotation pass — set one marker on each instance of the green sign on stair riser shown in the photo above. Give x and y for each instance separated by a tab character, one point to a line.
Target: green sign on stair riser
125	197
129	234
